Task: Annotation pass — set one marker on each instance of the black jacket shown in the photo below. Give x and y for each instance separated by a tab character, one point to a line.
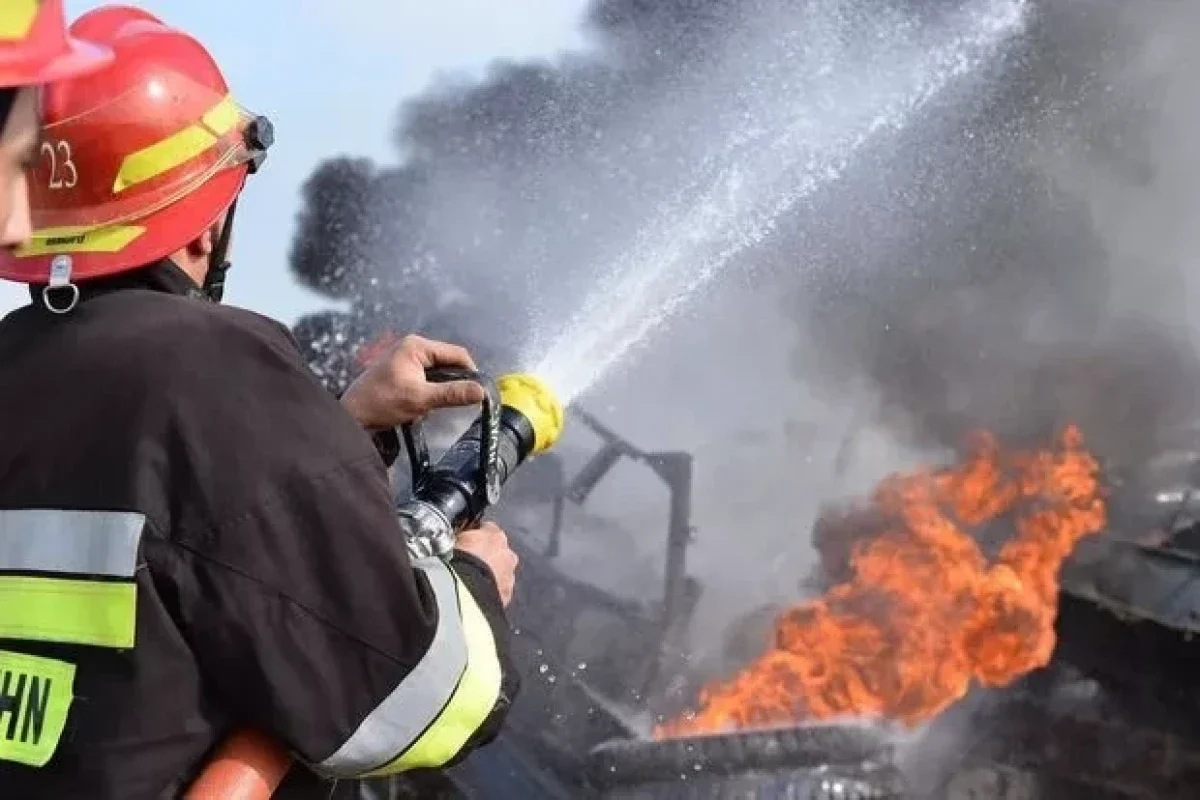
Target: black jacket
195	537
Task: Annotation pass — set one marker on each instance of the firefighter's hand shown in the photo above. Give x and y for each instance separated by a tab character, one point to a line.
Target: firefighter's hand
490	545
393	391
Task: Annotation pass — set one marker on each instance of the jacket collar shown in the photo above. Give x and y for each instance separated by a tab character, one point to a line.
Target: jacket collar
161	276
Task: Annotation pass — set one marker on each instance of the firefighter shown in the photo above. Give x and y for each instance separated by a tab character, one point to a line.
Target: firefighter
34	49
196	537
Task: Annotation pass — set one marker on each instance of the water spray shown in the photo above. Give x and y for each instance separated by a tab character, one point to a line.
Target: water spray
760	172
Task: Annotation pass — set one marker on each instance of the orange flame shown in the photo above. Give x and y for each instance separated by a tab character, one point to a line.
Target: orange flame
925	614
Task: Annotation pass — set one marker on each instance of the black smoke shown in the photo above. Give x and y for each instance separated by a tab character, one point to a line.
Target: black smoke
987	267
510	190
504	185
1020	286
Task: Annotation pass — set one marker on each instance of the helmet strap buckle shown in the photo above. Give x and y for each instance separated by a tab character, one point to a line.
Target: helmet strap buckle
218	261
60	295
214	282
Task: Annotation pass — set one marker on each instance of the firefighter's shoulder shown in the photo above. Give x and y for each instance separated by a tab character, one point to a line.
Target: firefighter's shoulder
195	330
217	351
234	381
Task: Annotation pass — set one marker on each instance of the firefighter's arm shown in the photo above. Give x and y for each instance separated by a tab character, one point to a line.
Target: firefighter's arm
358	660
300	602
318	630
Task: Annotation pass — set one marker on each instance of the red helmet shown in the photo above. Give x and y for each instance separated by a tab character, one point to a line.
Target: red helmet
108	22
139	158
35	47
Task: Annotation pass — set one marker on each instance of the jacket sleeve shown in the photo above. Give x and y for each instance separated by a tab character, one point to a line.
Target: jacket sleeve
293	588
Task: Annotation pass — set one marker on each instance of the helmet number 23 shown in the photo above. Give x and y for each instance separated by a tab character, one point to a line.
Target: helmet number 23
63	174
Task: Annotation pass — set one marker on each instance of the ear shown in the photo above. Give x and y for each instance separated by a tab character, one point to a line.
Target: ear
201	247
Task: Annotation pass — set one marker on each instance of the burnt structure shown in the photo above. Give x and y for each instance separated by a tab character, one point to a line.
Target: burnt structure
1130	602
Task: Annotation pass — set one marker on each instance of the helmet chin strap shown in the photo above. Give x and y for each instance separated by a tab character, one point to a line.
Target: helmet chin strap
218	262
8	98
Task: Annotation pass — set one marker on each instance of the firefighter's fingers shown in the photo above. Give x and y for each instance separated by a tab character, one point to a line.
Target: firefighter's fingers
493	530
499	536
489	544
451	395
433	353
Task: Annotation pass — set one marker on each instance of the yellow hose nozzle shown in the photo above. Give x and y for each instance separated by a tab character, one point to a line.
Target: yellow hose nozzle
532	398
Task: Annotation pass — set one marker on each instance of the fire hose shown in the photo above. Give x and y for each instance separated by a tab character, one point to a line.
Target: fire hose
520	417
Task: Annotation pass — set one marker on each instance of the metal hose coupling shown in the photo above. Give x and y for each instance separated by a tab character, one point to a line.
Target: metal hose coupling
520	417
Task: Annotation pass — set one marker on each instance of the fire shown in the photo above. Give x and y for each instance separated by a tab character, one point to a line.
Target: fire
924	613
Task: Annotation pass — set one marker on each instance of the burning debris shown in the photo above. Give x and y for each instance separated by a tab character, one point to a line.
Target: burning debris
926	613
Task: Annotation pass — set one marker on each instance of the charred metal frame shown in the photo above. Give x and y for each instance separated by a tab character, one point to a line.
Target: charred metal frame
674	468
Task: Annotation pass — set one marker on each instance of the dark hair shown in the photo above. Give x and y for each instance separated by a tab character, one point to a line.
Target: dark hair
7	98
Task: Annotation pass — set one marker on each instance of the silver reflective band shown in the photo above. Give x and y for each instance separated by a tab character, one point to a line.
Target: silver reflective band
403	716
85	542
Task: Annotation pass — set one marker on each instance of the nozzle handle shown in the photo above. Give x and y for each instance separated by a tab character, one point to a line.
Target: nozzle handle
418	449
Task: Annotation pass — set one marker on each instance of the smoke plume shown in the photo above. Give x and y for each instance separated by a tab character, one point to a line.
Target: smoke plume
1015	260
1036	269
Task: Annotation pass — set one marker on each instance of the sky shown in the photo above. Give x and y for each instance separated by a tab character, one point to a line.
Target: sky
330	74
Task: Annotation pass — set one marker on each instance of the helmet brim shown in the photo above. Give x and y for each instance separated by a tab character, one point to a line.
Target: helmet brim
165	231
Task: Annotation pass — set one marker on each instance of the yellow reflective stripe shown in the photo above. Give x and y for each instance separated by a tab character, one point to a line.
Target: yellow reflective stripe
16	18
471	703
82	239
178	148
223	117
97	613
442	700
35	696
